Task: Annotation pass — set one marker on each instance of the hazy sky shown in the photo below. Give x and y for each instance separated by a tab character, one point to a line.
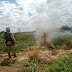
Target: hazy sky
31	14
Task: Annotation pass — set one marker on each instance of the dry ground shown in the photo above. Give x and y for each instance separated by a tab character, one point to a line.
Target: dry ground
39	54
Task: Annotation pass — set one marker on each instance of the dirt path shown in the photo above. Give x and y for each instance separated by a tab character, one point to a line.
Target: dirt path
21	56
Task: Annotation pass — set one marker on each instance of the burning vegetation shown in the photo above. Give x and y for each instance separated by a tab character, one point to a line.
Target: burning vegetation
45	41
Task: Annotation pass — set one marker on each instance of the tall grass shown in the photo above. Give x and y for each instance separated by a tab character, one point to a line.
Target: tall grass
64	42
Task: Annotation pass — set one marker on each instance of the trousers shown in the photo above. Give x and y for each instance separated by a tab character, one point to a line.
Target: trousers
9	48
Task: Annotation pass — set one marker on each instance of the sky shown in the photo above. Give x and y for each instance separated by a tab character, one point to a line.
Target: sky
28	15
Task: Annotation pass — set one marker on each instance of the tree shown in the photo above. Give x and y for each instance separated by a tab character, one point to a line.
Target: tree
65	27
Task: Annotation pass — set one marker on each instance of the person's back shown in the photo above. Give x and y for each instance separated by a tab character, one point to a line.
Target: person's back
10	41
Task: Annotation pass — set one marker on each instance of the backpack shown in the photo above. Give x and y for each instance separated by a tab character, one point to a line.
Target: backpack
7	36
8	39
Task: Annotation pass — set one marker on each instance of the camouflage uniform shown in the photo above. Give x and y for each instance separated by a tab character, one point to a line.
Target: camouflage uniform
10	43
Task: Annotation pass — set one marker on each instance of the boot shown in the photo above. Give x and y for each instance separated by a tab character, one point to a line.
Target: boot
9	55
15	55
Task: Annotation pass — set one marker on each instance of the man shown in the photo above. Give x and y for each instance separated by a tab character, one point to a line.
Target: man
10	41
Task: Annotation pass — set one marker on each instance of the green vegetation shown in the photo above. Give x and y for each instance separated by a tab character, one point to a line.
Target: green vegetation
29	63
23	41
26	40
64	65
33	66
2	43
62	42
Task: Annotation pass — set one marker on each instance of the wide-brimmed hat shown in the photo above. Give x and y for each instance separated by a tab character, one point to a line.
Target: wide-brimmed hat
7	28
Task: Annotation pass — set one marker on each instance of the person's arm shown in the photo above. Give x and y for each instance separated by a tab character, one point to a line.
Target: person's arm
13	38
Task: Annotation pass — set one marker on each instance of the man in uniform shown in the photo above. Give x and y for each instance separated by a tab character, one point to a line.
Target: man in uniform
10	42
